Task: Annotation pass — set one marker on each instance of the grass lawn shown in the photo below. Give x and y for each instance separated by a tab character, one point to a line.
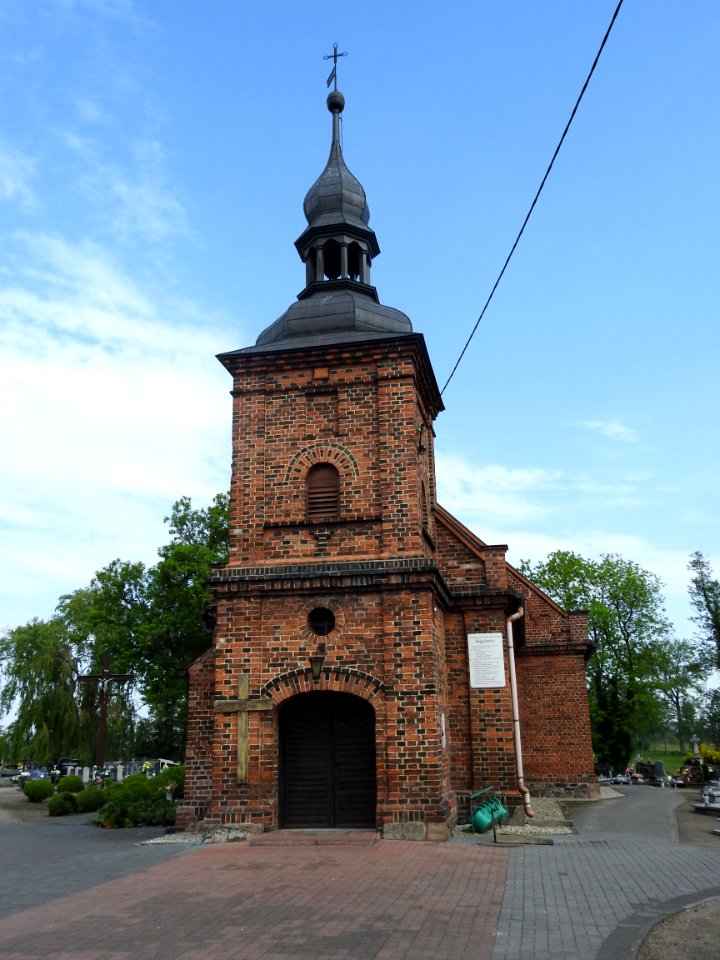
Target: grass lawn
671	758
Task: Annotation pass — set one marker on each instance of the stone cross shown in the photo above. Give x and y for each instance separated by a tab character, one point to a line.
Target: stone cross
103	680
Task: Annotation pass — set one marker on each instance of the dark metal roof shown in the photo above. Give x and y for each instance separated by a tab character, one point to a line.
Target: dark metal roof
336	197
330	310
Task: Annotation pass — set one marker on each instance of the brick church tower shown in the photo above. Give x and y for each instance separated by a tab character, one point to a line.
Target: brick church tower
363	671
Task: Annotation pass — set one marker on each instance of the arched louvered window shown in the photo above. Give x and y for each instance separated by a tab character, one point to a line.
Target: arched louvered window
323	493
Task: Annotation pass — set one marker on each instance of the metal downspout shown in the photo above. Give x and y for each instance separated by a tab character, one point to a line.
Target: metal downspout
516	714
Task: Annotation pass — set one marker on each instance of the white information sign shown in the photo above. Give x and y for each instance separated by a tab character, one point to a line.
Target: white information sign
485	656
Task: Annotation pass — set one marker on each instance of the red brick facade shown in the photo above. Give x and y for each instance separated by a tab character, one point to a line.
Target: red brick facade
405	582
341	562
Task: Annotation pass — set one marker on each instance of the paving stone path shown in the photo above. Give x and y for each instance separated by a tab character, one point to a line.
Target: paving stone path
70	891
390	900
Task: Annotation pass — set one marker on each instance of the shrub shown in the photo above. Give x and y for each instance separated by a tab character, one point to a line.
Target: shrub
62	804
70	784
90	800
38	790
136	802
709	755
137	787
173	779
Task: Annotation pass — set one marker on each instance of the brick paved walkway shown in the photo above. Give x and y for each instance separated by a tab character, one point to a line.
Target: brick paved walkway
597	898
386	901
592	895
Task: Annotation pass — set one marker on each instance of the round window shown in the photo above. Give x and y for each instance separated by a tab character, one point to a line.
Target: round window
321	621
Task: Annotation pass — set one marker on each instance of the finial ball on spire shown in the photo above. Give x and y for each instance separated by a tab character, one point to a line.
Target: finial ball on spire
335	102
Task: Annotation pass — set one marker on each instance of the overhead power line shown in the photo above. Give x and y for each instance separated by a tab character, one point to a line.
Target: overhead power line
537	196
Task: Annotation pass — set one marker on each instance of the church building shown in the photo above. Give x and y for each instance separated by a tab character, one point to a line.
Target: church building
374	663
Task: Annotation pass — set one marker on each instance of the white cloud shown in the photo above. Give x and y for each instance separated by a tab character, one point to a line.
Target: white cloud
122	11
536	511
133	199
145	207
613	429
117	406
17	172
493	490
91	111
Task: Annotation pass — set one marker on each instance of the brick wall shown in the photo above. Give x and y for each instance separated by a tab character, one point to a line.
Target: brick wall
551	645
199	744
406	583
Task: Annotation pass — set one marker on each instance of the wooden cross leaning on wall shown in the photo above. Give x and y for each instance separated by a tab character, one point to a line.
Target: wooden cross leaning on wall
242	707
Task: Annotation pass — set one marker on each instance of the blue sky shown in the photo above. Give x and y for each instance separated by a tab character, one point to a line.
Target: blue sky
153	161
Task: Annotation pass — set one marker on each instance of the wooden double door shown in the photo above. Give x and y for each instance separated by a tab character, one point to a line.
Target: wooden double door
327	761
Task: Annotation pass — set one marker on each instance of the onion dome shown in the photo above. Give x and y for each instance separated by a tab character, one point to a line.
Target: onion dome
336	196
337	248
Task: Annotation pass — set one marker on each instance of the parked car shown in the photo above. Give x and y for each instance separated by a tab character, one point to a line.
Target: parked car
39	773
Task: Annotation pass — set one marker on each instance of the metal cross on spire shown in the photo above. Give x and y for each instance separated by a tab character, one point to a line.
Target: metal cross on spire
334	57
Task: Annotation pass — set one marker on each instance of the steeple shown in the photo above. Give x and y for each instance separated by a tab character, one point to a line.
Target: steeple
337	197
337	248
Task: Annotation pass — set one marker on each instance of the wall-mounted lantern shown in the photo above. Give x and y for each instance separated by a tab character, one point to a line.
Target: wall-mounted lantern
316	665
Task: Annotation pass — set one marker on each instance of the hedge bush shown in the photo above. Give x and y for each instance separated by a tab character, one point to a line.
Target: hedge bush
62	804
38	790
710	755
136	802
90	800
70	784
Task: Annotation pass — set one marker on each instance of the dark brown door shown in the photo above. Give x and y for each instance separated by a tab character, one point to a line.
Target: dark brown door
327	754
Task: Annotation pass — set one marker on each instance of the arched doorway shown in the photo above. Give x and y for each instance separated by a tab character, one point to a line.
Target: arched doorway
327	761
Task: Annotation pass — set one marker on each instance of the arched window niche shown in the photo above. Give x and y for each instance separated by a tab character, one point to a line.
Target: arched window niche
323	493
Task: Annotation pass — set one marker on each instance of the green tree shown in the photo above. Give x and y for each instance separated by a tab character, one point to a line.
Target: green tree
678	679
653	721
40	667
709	718
107	616
174	632
150	621
705	600
625	618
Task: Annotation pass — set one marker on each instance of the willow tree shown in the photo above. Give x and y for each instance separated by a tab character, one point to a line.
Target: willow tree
40	667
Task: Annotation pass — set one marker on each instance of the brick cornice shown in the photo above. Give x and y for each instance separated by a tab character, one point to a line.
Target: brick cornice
326	568
363	575
360	575
258	362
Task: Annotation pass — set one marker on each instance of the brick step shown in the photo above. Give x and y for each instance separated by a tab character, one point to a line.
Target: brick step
308	837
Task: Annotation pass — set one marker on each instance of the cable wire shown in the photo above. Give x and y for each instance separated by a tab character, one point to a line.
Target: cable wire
537	196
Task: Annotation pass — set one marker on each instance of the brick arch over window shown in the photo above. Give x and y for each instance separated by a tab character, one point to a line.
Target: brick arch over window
338	679
332	453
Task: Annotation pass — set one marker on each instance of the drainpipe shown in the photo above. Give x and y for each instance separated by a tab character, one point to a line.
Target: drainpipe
525	793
